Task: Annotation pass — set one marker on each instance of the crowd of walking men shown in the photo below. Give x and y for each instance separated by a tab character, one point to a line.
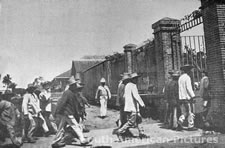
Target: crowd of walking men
180	97
70	109
36	115
178	93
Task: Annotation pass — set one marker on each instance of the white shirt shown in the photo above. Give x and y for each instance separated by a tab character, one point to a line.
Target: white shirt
103	91
31	104
185	87
47	96
131	94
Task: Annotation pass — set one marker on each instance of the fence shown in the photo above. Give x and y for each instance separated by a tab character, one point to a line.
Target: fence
194	53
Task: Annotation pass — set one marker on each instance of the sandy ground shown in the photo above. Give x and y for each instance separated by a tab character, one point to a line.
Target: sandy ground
101	130
94	122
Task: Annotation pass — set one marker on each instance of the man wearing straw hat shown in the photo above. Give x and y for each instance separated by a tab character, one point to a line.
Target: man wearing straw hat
131	107
68	110
186	95
120	101
103	94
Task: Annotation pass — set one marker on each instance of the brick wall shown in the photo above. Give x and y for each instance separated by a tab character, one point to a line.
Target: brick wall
166	52
214	29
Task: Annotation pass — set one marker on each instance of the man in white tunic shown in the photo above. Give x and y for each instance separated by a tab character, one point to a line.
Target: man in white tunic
103	94
31	110
131	107
186	94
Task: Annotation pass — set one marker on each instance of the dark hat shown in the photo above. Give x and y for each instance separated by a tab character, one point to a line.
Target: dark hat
171	71
186	67
31	86
46	85
203	71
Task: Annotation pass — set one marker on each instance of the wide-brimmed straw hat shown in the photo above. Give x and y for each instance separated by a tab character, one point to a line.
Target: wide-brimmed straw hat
72	80
186	67
134	75
125	76
80	85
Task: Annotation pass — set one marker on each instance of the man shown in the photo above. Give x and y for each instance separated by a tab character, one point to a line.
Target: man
165	91
131	107
172	97
31	111
204	93
8	115
120	97
186	95
103	94
46	107
82	102
68	111
70	135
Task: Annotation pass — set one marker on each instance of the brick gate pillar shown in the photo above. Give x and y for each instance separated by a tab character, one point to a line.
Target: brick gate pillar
213	12
128	50
167	55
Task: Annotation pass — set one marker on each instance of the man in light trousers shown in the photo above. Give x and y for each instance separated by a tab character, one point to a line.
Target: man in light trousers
186	94
103	94
131	107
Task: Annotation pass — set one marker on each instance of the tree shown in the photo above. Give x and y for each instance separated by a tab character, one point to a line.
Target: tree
7	81
12	85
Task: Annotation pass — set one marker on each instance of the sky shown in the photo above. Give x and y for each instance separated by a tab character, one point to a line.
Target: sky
42	37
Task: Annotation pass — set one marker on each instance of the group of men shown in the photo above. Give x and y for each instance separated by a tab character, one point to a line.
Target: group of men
36	109
180	96
70	109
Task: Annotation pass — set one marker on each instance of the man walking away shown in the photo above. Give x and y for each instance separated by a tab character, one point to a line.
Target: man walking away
165	92
120	101
103	94
204	93
186	95
172	98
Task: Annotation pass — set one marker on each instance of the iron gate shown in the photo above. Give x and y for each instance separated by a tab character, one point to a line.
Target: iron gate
193	52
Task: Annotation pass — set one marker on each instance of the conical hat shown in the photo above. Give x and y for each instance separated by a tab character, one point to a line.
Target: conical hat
102	80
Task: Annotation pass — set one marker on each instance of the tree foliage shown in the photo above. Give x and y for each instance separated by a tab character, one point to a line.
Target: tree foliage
7	81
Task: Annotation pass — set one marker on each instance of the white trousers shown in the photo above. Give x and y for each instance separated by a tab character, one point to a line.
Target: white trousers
103	107
71	121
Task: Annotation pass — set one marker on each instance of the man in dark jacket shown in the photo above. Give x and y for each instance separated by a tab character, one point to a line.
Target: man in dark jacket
8	115
172	98
68	110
